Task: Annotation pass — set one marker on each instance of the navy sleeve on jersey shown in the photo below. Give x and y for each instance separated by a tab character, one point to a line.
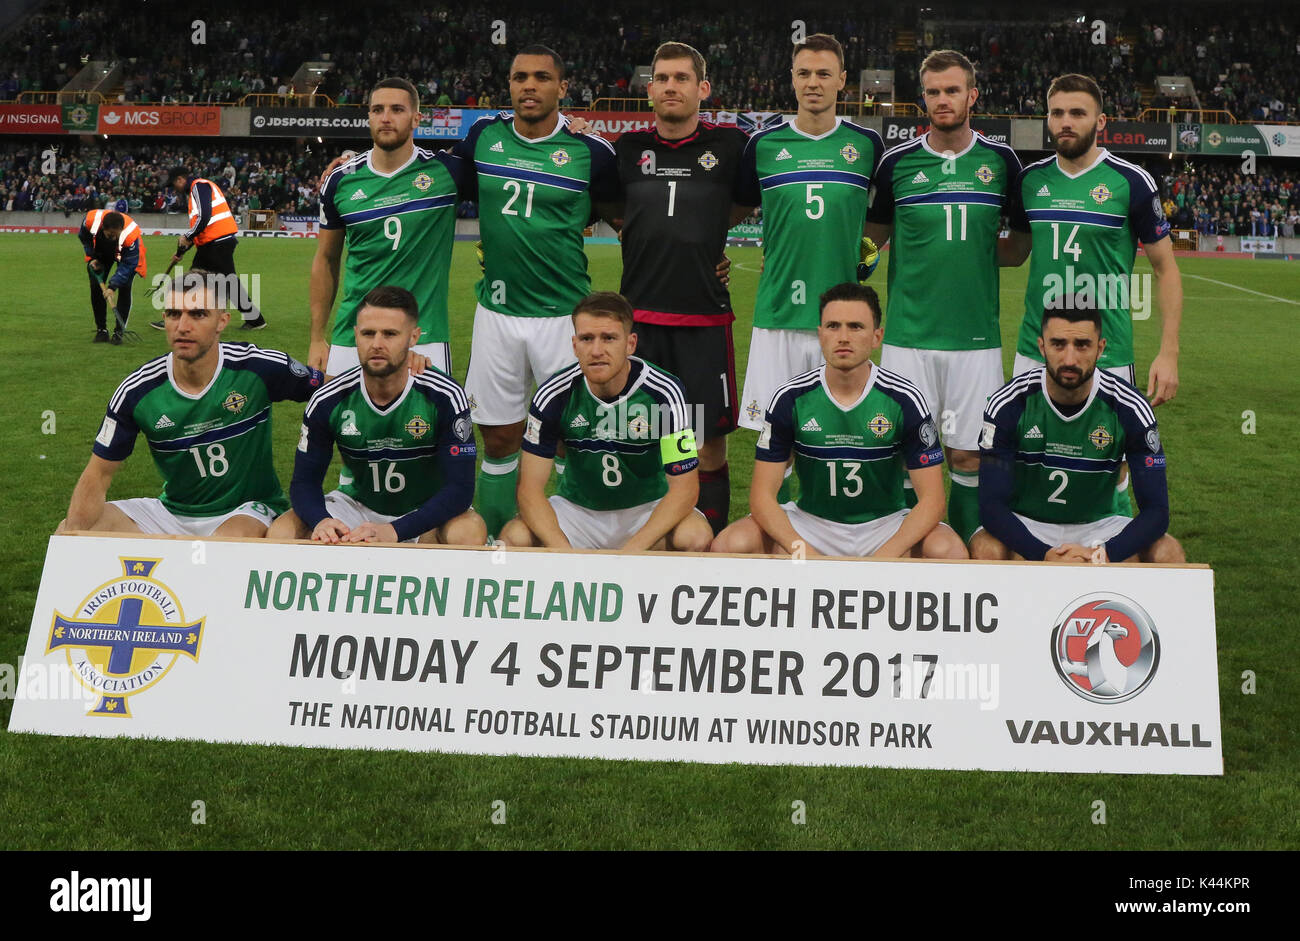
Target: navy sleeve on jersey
882	204
677	446
605	184
542	432
748	185
742	193
455	456
200	193
776	441
310	462
286	378
998	446
1146	462
1017	218
1014	207
330	217
116	438
1145	214
463	150
920	444
460	171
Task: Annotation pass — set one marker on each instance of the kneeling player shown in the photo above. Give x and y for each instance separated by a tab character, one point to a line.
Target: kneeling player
205	409
406	442
1052	445
847	423
632	478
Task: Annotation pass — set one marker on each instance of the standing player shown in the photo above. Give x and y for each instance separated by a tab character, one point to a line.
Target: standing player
406	442
631	481
683	187
213	230
111	238
1087	209
205	409
940	199
813	175
1053	441
536	182
395	207
851	429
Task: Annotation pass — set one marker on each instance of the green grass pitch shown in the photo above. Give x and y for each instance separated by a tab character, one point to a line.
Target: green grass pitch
1234	507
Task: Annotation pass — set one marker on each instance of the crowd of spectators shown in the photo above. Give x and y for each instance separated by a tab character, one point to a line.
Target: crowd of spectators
1215	198
129	176
1240	56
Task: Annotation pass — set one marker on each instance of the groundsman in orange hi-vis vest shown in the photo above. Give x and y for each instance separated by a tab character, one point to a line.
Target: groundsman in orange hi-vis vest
213	231
108	239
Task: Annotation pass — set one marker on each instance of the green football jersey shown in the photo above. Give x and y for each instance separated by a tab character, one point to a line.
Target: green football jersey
213	449
535	197
392	456
620	452
946	210
1085	233
814	192
1068	464
851	461
399	230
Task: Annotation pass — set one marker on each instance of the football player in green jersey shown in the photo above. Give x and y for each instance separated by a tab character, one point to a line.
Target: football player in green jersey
852	428
940	199
395	208
536	182
1087	209
205	410
812	175
406	442
1053	441
633	478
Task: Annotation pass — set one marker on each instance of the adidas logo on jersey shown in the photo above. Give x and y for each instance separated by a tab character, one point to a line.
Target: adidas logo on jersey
1034	432
359	194
497	148
811	425
783	155
164	422
920	177
579	422
1044	191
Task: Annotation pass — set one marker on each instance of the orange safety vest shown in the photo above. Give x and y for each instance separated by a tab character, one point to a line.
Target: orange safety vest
129	235
220	223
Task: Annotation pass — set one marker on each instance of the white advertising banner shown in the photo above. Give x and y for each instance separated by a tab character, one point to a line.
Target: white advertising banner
664	657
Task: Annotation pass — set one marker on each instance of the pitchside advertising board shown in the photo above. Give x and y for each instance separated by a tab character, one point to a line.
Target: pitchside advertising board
898	130
765	661
1263	140
1128	137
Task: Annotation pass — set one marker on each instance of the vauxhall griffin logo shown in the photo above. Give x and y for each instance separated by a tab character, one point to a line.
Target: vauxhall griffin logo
125	636
1105	648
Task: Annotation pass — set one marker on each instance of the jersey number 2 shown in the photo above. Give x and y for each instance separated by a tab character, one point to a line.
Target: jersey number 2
1056	494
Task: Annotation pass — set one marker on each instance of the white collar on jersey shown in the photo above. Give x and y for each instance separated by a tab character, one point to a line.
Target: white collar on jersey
871	381
560	125
834	127
1092	394
1101	155
171	375
365	394
371	167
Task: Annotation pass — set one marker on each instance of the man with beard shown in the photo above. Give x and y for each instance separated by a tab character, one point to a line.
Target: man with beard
395	206
940	199
205	410
536	182
406	443
1052	445
1087	209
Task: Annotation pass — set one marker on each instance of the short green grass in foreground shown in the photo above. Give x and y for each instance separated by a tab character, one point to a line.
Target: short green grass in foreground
1233	507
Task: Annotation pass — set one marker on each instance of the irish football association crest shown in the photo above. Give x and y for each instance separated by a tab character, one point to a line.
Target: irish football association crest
125	636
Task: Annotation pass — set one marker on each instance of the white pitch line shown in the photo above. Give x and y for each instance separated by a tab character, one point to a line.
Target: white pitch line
1229	284
737	264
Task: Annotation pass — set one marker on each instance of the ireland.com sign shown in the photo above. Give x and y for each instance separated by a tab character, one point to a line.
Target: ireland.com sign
350	123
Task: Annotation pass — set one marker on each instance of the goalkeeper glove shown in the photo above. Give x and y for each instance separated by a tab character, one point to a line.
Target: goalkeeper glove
478	251
869	258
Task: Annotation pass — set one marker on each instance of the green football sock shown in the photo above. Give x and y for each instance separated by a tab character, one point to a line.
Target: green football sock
964	504
494	494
